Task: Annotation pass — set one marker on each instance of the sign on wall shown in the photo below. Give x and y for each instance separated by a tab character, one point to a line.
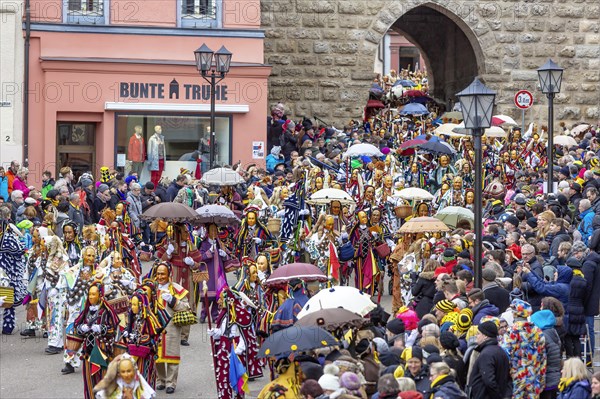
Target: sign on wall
171	91
258	149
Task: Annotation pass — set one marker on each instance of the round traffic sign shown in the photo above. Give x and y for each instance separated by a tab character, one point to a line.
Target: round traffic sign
523	99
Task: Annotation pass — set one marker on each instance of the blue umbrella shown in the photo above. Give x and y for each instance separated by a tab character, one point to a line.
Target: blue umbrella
414	109
405	83
437	147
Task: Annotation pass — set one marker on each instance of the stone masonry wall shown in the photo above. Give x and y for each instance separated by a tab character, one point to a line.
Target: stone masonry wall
323	51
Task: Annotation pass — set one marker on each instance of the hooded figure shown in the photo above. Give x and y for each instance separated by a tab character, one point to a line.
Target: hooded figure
558	288
546	321
524	344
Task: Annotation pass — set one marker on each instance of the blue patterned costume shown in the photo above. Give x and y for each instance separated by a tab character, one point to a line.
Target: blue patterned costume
12	261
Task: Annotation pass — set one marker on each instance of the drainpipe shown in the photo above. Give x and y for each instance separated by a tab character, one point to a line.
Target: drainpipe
26	85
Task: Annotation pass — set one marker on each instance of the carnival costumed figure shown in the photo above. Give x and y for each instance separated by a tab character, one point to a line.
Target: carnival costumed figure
123	243
57	262
233	341
73	285
444	168
178	249
382	237
123	380
213	255
36	264
173	298
253	236
287	384
97	325
71	242
454	196
438	197
415	177
362	239
287	313
355	186
321	246
122	217
142	336
12	263
118	281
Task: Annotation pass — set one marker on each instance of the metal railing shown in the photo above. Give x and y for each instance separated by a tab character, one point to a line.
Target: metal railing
92	8
198	9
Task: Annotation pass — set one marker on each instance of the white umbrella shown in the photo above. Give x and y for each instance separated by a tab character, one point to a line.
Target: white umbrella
565	141
415	193
579	129
494	131
222	177
446	129
451	215
326	195
344	297
499	120
217	214
358	150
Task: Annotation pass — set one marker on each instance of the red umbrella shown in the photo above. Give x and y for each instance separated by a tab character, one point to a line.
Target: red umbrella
302	271
375	104
413	93
412	143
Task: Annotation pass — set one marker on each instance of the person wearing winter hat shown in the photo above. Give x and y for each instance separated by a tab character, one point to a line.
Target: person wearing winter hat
330	381
575	308
449	259
350	383
494	293
511	224
490	375
394	333
415	368
450	356
442	308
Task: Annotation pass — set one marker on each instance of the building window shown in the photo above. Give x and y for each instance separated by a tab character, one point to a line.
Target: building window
186	138
199	13
94	12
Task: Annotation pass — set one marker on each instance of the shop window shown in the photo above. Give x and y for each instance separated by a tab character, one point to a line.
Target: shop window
199	13
186	138
86	12
75	147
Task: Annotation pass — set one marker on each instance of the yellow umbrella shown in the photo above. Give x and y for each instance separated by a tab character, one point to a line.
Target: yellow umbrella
424	224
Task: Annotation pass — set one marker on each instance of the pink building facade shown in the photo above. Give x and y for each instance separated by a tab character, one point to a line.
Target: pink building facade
102	69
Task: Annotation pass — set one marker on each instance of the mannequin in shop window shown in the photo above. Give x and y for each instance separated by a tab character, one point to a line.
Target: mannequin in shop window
136	151
156	155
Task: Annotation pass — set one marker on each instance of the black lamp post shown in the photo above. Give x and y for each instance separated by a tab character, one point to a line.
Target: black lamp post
550	76
477	103
213	74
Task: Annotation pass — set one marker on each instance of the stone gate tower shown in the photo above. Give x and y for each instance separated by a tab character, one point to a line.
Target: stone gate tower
323	51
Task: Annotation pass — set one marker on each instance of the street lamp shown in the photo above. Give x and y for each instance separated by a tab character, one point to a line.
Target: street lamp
550	76
477	103
213	74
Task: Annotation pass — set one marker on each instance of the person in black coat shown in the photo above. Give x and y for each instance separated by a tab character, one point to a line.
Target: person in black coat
175	186
591	272
594	242
575	311
497	295
450	356
423	291
490	376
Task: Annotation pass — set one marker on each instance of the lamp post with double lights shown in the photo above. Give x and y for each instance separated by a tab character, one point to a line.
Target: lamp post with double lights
550	76
477	102
213	74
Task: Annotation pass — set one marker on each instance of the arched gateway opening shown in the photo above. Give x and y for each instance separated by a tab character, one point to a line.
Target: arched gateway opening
441	41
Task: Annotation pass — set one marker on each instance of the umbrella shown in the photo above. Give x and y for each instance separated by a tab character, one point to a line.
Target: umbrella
358	150
171	212
332	319
579	129
222	177
415	193
494	131
424	224
446	129
414	109
565	141
326	195
439	147
412	143
296	339
349	298
217	214
413	93
499	120
375	104
405	83
451	215
453	115
302	271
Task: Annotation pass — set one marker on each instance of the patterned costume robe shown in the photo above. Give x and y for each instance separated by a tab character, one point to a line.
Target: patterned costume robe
12	262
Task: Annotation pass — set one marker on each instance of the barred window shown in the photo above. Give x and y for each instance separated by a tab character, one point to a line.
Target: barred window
86	11
199	13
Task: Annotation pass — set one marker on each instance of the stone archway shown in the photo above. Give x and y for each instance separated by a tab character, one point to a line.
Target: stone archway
451	51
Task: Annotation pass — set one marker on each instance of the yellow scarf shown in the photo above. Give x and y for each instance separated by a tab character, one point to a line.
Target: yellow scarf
564	383
577	272
436	381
